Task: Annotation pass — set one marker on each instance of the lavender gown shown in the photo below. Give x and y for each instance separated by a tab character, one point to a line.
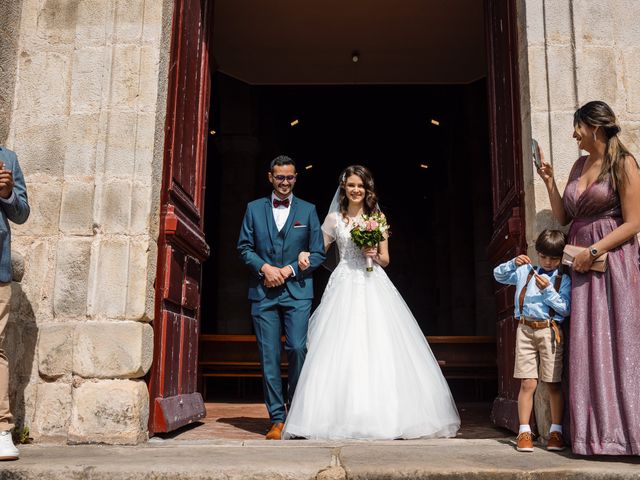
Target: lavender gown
604	340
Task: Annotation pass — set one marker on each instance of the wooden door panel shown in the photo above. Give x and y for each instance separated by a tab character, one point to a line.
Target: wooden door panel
507	183
181	244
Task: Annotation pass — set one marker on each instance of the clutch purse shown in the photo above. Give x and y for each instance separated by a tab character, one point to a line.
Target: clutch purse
570	251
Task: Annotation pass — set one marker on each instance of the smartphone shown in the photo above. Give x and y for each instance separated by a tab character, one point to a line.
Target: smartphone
535	154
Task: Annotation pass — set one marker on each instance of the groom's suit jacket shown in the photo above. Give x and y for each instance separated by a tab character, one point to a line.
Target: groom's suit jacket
260	242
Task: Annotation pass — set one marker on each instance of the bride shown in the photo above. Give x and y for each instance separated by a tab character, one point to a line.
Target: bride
369	372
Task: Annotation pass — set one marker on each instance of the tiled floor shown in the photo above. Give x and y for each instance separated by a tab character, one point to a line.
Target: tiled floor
249	421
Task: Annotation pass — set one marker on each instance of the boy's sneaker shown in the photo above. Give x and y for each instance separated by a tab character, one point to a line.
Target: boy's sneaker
8	450
525	442
556	442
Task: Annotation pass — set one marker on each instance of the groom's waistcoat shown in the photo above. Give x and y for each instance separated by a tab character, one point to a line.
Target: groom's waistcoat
260	242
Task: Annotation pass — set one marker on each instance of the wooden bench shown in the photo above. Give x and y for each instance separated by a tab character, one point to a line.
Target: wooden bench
236	356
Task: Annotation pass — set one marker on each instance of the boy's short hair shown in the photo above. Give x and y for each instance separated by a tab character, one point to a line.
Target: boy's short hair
551	242
280	161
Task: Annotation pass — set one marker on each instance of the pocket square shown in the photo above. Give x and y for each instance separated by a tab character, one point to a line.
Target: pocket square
297	224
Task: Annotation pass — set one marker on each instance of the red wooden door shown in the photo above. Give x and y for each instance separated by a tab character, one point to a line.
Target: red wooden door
181	246
507	183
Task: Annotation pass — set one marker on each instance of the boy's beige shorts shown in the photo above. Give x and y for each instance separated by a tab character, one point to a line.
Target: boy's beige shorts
536	351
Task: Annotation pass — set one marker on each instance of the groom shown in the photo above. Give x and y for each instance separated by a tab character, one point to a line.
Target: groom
274	231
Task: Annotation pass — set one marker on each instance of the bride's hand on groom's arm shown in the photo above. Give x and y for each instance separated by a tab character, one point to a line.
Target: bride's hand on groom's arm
303	260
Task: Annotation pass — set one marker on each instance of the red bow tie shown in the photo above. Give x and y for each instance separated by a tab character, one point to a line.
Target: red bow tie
277	203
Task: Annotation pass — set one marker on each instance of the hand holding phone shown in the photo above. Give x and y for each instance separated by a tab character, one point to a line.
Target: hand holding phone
535	154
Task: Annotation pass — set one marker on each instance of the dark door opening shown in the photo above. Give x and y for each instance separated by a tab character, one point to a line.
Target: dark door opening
421	126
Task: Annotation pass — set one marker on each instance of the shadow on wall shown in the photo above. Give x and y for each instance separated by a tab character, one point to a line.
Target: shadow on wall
20	343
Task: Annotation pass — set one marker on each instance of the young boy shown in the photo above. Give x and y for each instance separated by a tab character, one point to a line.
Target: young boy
542	301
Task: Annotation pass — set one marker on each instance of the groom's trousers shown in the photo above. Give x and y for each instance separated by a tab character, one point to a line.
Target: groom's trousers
269	314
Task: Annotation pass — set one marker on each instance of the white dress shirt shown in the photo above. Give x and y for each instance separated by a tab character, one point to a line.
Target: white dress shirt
280	214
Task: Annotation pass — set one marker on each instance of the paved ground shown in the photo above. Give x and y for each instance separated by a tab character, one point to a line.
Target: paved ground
229	445
292	460
250	421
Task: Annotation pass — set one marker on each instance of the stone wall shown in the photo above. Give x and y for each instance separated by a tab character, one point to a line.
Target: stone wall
87	124
572	52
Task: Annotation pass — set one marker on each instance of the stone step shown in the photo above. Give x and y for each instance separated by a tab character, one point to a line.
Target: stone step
300	459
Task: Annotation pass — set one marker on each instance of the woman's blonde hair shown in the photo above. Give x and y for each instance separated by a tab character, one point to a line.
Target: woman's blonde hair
599	114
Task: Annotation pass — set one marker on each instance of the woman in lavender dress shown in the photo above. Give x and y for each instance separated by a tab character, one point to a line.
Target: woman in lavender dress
602	203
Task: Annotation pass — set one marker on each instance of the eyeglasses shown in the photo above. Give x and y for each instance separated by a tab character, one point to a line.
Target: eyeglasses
282	178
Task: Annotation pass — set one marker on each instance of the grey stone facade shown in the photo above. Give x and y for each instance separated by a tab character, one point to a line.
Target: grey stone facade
83	100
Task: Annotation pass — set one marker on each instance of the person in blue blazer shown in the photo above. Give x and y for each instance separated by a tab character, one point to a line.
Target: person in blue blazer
274	231
15	207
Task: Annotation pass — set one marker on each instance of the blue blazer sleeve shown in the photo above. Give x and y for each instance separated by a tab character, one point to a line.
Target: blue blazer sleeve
17	210
246	244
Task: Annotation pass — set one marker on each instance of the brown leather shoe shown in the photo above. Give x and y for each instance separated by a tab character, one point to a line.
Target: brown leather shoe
556	442
275	433
525	442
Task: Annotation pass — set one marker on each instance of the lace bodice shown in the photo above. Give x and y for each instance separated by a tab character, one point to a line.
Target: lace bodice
336	229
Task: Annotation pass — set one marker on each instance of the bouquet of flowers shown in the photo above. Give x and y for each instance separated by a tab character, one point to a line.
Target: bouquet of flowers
369	232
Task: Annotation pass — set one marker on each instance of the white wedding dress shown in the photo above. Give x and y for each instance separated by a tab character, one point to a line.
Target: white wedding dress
369	372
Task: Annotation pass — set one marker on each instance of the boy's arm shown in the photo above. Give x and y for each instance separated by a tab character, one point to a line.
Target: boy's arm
316	246
559	301
506	273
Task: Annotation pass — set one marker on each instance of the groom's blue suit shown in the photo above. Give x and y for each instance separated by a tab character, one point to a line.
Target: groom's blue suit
261	243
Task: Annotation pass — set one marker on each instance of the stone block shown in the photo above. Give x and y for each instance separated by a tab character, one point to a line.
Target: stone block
152	30
55	350
57	21
631	78
110	411
44	200
140	283
557	18
83	137
120	147
149	68
145	140
93	17
17	266
72	276
52	411
112	349
40	143
534	22
594	22
115	206
631	136
537	78
561	79
43	83
597	74
76	213
88	78
125	77
129	19
627	29
564	148
108	283
140	210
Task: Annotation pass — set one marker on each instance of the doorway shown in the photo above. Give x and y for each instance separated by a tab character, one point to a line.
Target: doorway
407	89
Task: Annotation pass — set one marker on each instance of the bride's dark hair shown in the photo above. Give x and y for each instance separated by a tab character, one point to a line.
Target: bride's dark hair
370	198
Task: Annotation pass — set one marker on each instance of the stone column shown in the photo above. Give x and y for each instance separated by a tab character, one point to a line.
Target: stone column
87	124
